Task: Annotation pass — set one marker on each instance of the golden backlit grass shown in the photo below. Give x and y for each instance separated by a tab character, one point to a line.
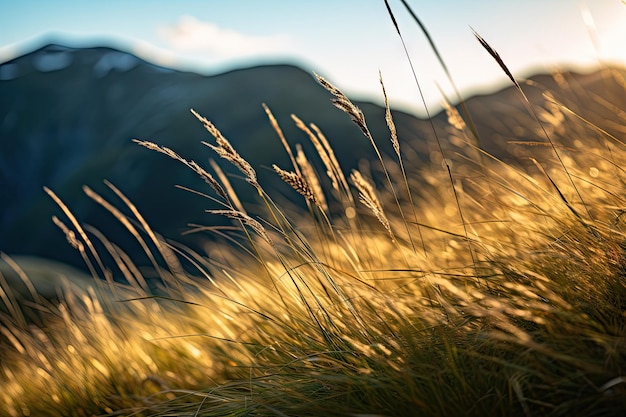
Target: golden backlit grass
468	286
395	295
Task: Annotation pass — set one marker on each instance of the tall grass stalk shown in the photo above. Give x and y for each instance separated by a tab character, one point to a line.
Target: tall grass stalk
435	133
320	311
530	108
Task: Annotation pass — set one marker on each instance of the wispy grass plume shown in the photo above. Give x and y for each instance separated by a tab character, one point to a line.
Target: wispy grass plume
296	311
529	106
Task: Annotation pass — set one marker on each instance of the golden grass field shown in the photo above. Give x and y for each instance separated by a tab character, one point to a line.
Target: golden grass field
470	286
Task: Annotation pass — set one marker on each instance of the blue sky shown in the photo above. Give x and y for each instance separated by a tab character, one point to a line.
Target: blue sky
347	41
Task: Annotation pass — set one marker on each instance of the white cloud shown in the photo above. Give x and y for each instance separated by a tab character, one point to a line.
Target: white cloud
190	34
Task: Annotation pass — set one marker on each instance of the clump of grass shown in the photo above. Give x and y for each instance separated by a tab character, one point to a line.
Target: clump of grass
338	310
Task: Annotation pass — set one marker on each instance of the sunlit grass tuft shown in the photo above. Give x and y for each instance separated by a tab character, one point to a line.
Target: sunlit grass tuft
470	286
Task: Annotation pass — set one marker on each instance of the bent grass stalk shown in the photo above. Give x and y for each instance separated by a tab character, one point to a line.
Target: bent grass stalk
306	330
342	102
298	319
436	134
494	54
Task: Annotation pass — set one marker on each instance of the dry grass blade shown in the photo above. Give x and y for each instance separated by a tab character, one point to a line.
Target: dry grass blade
592	125
337	177
168	255
434	48
430	119
234	198
342	102
530	108
367	196
389	119
299	184
21	274
128	225
393	17
454	118
225	150
396	146
9	302
246	220
280	134
311	177
495	55
81	232
70	236
322	151
207	177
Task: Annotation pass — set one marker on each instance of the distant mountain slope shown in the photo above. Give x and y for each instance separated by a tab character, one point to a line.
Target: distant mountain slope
67	118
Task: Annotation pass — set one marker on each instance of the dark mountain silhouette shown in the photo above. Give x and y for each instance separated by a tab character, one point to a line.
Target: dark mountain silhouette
68	117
